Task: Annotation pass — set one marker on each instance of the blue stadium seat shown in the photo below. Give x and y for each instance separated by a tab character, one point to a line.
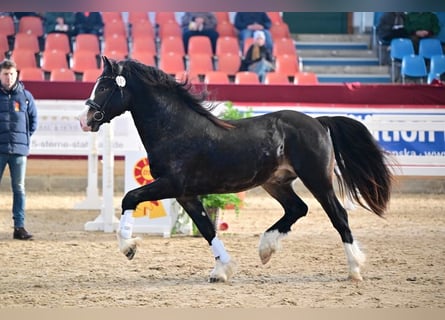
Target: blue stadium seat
437	64
429	47
400	47
413	66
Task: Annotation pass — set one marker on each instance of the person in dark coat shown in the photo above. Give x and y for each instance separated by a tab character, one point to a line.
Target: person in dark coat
18	122
248	22
391	25
89	22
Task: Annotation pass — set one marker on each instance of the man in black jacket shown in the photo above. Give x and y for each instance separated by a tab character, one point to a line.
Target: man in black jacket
18	121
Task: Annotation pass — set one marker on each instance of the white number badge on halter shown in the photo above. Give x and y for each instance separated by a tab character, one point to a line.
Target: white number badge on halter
120	81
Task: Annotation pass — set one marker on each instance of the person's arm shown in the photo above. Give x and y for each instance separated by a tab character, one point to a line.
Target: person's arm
210	21
185	20
32	113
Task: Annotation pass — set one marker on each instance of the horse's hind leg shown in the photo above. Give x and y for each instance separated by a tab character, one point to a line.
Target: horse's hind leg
294	208
323	191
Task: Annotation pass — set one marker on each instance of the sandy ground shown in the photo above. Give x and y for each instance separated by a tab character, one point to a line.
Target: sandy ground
65	266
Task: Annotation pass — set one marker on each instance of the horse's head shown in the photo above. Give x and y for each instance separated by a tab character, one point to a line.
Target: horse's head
108	98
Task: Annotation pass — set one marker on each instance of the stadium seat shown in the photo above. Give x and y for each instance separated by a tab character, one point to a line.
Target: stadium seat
145	56
31	74
284	46
32	25
116	43
275	17
91	75
221	16
7	26
115	54
287	64
429	47
111	16
87	42
172	63
199	64
276	78
413	66
400	47
24	58
169	29
135	17
246	77
53	59
227	45
226	29
57	41
216	77
164	17
26	41
278	31
62	75
4	44
228	63
82	60
305	78
172	44
115	27
142	28
200	45
146	42
437	64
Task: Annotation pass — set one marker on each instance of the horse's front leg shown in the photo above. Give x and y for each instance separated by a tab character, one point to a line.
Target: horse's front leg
158	189
225	266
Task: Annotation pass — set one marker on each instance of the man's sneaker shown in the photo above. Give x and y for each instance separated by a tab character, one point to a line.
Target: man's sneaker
21	234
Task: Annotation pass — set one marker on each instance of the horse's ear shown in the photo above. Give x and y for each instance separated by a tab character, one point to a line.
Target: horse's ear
107	64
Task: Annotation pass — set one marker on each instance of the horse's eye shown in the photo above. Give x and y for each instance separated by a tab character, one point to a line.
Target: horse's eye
101	89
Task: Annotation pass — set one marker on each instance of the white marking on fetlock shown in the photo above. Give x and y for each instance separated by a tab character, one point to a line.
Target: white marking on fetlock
270	242
219	251
356	259
222	272
127	244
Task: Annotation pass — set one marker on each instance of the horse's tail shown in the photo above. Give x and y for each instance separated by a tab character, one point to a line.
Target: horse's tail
363	164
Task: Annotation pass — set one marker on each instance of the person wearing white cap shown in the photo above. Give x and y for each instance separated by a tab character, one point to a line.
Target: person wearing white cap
258	57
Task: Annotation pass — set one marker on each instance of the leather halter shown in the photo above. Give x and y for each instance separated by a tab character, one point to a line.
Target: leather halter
99	113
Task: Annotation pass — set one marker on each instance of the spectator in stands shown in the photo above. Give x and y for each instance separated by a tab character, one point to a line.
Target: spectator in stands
249	22
18	121
258	57
60	22
89	22
390	26
199	24
421	25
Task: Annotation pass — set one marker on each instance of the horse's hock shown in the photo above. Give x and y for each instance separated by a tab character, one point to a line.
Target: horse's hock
71	175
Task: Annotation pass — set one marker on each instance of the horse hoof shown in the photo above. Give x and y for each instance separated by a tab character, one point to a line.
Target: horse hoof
355	277
130	253
216	280
265	256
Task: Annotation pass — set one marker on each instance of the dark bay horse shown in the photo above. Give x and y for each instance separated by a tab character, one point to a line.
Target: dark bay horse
192	153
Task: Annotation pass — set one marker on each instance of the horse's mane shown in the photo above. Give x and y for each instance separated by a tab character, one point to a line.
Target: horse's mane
152	76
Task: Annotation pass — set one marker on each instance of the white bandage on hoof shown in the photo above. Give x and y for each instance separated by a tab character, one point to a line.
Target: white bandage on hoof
219	251
126	224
